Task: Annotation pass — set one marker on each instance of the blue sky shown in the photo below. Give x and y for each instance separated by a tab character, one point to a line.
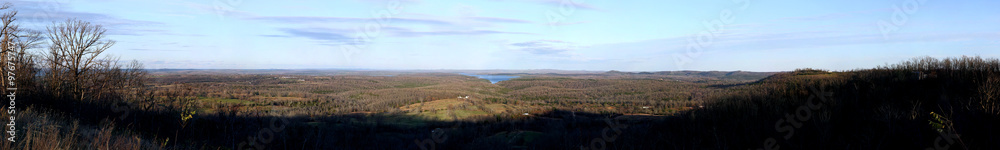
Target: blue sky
749	35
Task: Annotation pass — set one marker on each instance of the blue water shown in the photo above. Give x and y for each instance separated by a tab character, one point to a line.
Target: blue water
493	78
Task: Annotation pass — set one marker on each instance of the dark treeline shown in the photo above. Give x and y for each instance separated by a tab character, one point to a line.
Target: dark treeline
924	103
60	76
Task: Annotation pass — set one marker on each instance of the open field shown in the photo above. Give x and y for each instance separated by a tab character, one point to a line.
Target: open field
344	94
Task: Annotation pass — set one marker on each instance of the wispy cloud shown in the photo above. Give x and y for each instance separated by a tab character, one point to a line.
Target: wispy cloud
567	23
36	15
545	47
345	36
319	19
573	3
799	40
410	33
324	35
499	20
219	8
832	16
145	49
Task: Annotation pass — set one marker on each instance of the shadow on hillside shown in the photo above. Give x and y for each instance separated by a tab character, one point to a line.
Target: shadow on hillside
556	129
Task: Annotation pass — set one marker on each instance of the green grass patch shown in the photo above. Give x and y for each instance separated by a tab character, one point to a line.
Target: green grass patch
224	100
447	115
468	113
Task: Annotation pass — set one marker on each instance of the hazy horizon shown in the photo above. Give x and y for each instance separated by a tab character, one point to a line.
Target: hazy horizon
475	70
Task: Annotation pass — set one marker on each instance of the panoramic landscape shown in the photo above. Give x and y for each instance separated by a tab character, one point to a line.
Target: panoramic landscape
500	74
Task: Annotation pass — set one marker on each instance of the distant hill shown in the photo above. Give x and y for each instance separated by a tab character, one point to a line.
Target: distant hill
925	103
733	75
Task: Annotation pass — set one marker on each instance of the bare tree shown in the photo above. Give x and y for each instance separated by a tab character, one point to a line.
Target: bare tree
74	49
8	35
15	43
8	28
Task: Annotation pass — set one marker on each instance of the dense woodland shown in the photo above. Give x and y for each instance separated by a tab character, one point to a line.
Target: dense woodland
72	96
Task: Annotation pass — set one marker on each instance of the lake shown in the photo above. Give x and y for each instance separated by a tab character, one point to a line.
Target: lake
493	78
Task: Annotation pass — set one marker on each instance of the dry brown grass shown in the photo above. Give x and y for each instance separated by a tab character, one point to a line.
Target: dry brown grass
50	130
